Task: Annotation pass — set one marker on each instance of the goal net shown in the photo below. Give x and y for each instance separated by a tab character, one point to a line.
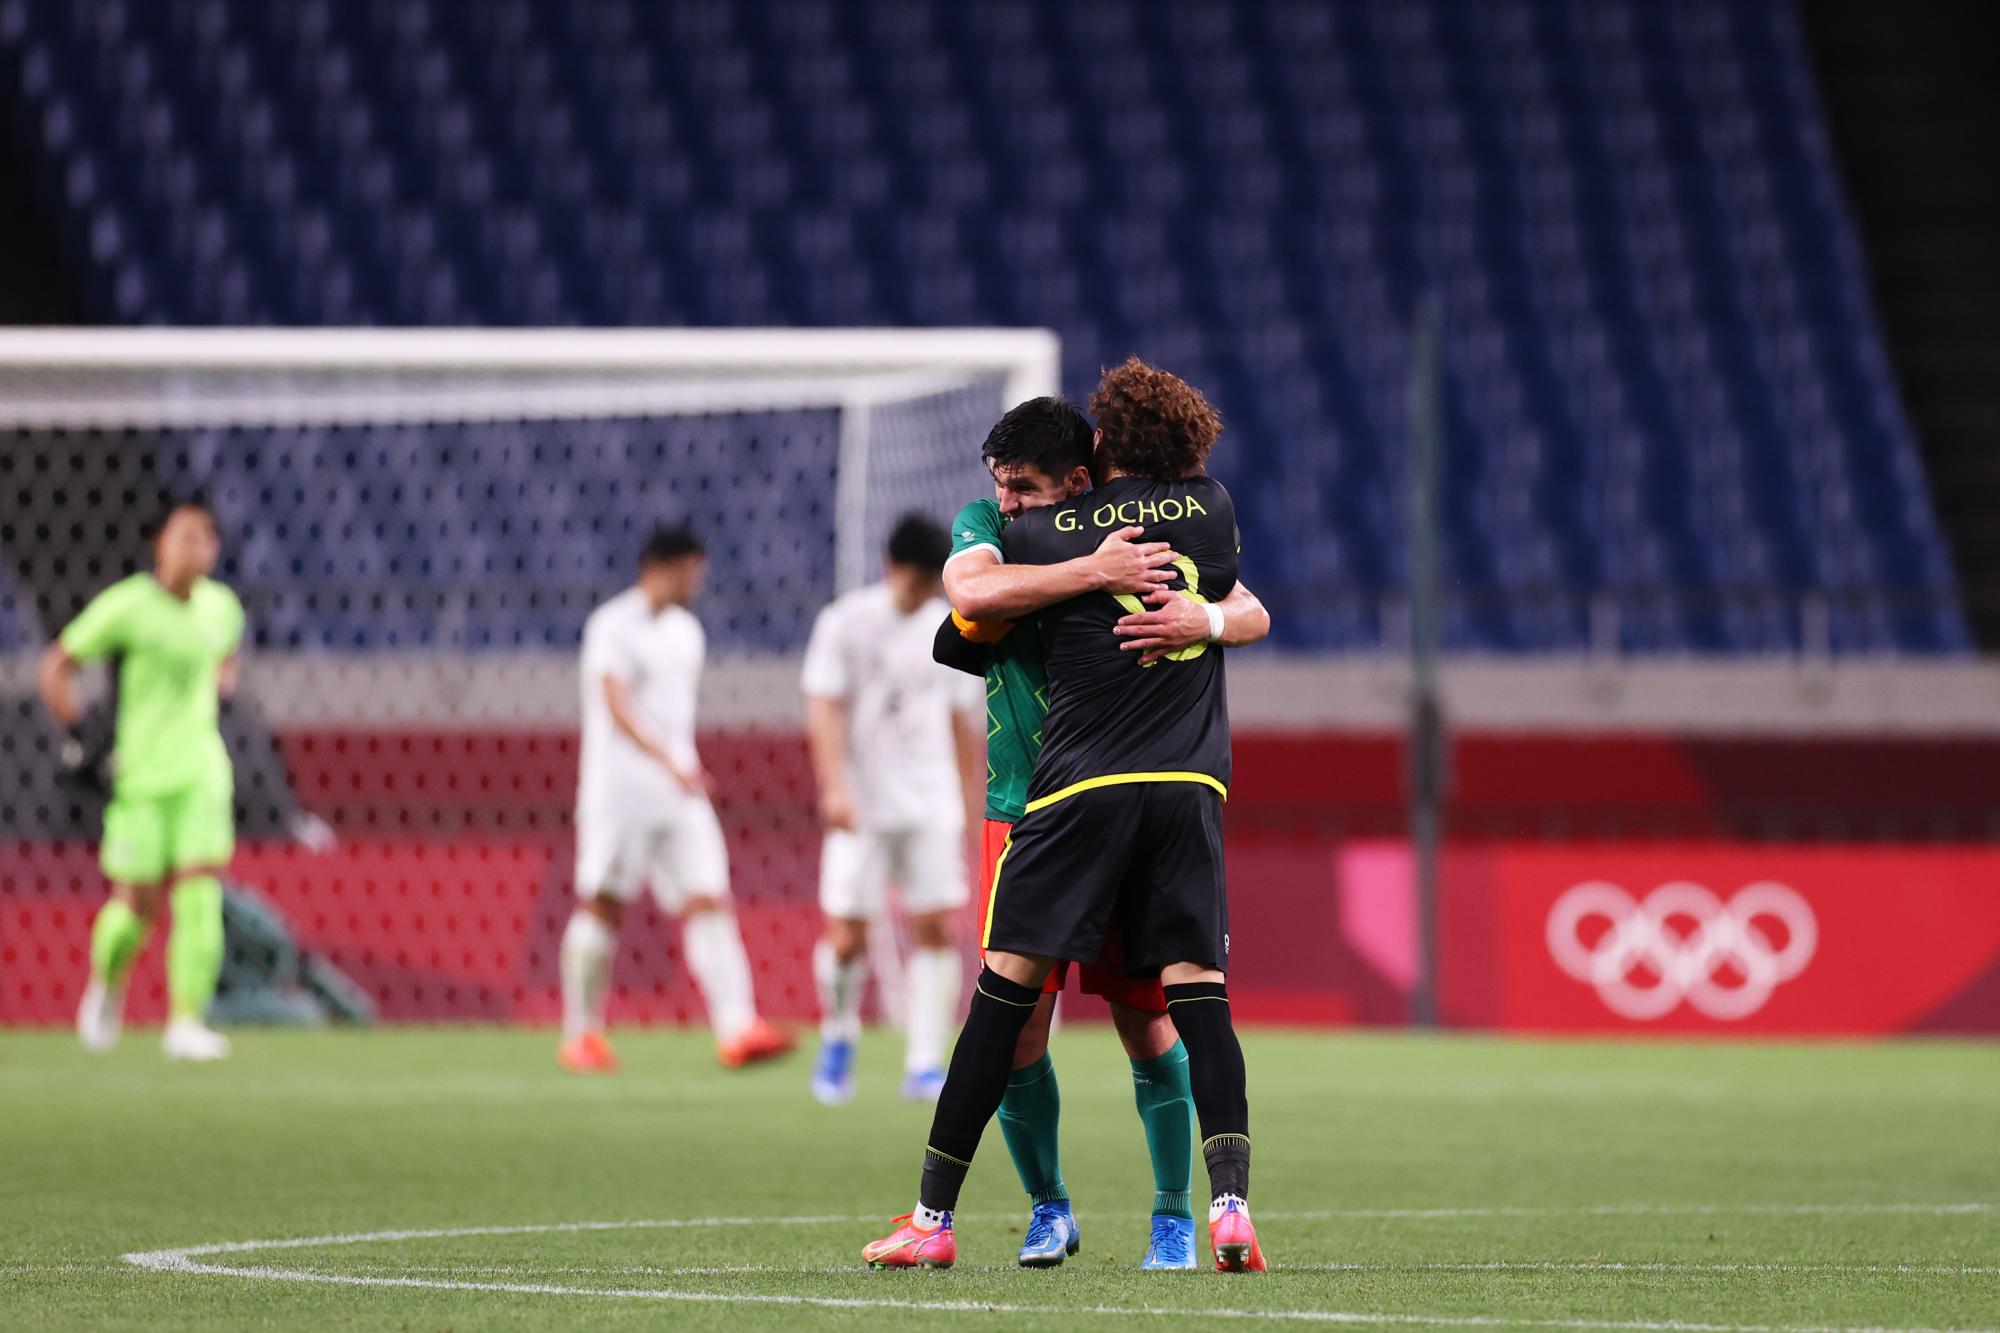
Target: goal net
418	523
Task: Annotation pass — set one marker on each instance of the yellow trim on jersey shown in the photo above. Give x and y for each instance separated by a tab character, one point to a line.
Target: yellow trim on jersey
1120	780
993	890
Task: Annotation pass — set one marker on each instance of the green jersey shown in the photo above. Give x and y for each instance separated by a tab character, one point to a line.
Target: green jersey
170	653
1017	682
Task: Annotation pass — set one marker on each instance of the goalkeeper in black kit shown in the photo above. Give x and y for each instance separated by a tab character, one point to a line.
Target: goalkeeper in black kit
1122	830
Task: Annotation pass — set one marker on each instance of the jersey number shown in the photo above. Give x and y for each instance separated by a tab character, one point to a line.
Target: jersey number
1192	592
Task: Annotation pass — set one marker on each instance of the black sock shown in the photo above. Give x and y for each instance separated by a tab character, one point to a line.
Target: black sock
975	1083
1200	1011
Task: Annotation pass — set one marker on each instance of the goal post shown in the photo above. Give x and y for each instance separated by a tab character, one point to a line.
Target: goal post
418	522
1029	359
892	417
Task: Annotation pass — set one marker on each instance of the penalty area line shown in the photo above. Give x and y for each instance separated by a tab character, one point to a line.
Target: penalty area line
991	1307
1613	1267
184	1261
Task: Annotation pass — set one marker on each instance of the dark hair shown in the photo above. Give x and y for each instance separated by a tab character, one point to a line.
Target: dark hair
165	514
667	545
1047	434
1155	425
919	543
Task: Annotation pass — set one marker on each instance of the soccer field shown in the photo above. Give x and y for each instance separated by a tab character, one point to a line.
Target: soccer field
432	1179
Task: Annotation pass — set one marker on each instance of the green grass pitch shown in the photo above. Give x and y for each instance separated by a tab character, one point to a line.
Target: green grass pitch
1399	1182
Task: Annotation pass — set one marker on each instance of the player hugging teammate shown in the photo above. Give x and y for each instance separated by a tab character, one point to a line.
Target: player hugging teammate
1114	858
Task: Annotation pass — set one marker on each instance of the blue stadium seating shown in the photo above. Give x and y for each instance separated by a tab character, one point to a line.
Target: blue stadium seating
1667	407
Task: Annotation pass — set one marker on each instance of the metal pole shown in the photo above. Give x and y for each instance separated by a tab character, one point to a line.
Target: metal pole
1427	754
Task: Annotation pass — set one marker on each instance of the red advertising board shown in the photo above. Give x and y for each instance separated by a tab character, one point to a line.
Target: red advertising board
1710	937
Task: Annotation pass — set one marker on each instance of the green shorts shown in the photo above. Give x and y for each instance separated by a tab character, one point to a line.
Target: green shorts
148	838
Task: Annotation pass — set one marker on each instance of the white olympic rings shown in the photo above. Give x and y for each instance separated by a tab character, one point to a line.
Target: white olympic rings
1647	962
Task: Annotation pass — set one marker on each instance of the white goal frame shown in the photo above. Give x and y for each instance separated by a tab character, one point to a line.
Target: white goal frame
106	378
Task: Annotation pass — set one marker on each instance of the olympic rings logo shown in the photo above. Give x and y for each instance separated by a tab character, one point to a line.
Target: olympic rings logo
1682	943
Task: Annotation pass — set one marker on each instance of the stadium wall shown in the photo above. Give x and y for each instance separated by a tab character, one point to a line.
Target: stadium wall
447	888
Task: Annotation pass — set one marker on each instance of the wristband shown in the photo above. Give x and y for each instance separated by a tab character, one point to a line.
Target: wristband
1214	620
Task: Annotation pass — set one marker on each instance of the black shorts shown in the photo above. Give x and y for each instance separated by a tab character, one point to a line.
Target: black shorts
1147	854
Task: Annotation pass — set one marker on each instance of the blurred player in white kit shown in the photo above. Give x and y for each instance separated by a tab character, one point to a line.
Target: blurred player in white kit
898	750
643	816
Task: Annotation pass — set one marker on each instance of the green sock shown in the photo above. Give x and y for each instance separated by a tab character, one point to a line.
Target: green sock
1166	1108
116	938
194	947
1028	1118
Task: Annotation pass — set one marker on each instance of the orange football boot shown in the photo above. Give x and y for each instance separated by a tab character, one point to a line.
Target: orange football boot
1234	1240
910	1247
588	1054
761	1042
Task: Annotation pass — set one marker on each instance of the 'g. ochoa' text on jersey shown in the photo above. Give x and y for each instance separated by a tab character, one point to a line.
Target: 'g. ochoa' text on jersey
1108	714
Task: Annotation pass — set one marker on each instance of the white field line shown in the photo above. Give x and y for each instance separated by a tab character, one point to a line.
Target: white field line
173	1259
593	1270
989	1307
183	1260
1688	1266
1640	1210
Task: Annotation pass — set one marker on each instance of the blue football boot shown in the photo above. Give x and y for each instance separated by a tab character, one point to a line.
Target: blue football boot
1052	1236
1172	1246
923	1086
833	1073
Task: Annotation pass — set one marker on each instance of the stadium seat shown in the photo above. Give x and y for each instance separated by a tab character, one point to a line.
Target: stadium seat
1665	392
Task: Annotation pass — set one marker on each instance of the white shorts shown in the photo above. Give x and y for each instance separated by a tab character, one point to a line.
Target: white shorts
927	864
680	855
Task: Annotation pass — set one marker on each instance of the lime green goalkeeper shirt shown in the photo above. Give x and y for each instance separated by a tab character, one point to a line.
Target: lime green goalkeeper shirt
170	655
1017	684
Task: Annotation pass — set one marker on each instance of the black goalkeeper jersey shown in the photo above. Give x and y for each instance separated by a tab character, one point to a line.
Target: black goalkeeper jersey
1107	714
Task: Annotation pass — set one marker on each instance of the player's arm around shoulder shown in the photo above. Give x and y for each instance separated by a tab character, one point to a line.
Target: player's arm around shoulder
1244	619
1173	622
1028	571
977	546
977	551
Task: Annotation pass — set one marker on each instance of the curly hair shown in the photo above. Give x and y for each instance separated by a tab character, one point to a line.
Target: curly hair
1156	425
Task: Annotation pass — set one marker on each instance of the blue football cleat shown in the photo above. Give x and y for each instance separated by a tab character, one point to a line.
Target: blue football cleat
923	1086
833	1073
1052	1236
1172	1246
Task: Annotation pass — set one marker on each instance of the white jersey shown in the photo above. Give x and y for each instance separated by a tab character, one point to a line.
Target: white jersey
659	658
901	761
